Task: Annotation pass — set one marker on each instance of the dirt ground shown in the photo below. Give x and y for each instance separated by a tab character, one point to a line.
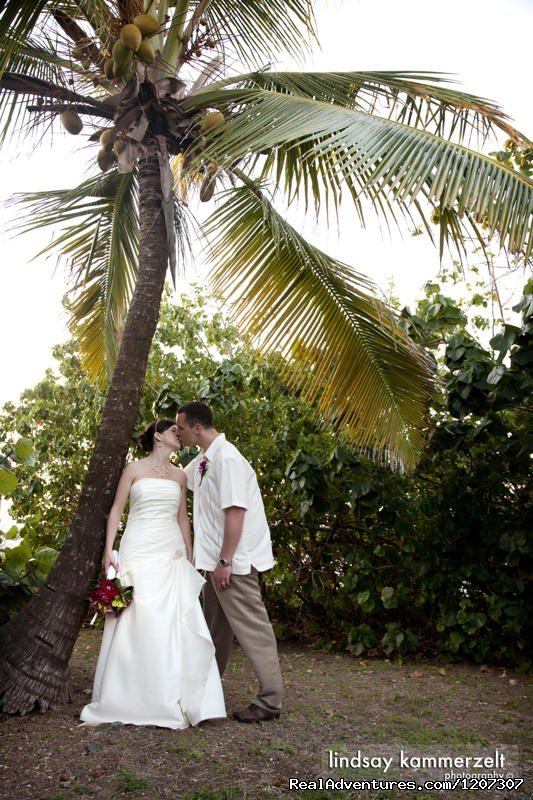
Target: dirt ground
336	706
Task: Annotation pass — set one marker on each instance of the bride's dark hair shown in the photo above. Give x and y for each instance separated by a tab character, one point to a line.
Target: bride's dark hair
146	437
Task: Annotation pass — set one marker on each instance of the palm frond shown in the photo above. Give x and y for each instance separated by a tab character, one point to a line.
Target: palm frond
40	62
320	146
17	22
333	341
35	87
103	16
21	19
423	100
99	237
41	66
256	30
26	101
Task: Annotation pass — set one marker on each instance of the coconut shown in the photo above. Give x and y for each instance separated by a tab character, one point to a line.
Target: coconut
108	69
213	119
122	70
118	147
107	138
105	159
128	73
121	54
71	121
207	188
147	25
146	52
122	60
131	37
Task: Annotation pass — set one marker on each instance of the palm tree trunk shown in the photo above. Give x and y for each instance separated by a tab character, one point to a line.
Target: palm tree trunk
36	645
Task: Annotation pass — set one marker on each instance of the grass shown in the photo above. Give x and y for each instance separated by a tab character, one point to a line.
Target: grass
130	782
511	703
284	747
183	751
410	730
224	793
333	703
230	793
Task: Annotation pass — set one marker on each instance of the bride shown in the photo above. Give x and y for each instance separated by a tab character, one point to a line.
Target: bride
157	661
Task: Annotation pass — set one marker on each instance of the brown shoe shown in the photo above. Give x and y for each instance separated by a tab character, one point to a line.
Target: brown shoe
254	714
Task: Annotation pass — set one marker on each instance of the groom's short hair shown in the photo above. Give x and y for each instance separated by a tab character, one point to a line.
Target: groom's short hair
196	411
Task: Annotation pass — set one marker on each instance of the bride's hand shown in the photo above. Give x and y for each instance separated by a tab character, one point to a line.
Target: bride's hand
109	560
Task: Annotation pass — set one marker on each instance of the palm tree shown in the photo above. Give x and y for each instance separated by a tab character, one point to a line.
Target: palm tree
157	94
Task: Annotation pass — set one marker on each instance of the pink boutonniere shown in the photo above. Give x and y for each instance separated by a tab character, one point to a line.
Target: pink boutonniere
202	468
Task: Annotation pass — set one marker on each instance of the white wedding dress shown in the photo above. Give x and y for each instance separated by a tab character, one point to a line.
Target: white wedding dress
157	660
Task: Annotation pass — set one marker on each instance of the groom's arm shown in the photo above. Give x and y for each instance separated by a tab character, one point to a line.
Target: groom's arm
231	480
233	523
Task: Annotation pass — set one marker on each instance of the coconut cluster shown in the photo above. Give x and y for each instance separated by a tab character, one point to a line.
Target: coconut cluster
113	142
133	41
111	146
185	133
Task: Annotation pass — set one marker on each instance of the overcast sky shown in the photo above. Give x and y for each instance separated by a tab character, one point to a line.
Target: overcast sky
486	44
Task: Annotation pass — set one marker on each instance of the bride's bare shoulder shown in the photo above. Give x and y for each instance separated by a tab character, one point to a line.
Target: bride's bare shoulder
178	474
133	468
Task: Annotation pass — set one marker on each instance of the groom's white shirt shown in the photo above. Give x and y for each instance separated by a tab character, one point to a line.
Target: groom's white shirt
228	480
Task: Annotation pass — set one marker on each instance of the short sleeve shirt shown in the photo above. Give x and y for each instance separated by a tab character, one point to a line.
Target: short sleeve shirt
227	480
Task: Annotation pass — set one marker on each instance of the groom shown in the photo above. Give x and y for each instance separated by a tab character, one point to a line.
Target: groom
232	542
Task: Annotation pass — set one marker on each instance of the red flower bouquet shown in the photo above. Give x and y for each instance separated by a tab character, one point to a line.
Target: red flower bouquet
110	597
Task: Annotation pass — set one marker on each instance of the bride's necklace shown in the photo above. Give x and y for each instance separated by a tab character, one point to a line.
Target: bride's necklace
160	469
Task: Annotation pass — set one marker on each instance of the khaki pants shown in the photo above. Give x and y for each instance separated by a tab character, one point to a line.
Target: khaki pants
239	611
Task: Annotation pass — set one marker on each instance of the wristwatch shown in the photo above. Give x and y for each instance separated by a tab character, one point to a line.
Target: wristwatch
224	562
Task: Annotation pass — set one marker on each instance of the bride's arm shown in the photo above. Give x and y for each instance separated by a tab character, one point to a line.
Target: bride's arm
113	520
183	517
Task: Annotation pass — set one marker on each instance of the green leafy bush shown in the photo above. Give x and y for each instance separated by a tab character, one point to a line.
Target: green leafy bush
23	565
368	560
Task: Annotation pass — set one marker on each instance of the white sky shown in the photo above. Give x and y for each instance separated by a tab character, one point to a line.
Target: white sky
485	43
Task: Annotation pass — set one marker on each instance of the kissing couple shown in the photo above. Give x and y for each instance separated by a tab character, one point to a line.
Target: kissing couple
161	659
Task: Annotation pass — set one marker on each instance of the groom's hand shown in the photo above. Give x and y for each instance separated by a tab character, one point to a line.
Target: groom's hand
220	577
